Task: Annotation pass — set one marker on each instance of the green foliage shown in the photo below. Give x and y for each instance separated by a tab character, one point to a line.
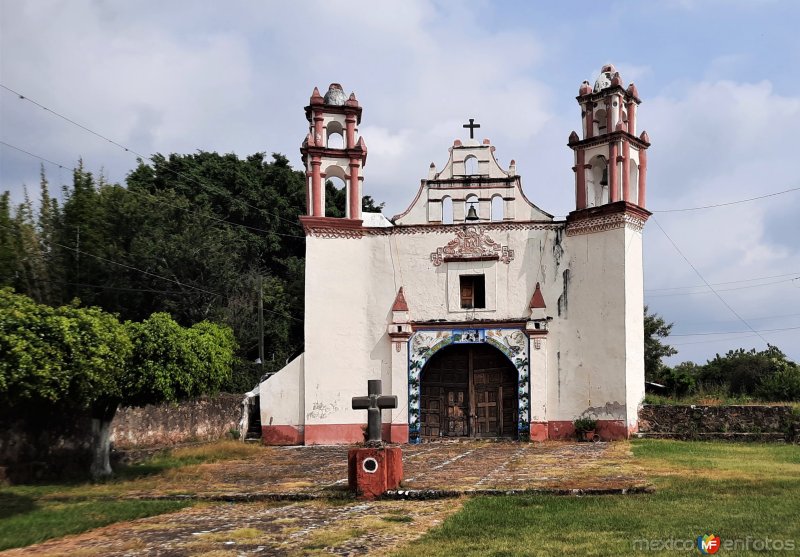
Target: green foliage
783	384
170	362
59	354
681	379
177	218
655	350
81	357
742	371
584	424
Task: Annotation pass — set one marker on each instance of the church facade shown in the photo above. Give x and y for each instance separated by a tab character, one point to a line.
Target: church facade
486	316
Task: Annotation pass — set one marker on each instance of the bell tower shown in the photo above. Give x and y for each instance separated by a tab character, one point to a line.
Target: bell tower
610	160
333	148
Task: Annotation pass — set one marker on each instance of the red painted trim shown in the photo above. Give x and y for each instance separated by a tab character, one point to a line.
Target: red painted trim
580	178
395	433
281	435
334	434
626	171
608	430
612	173
539	431
642	176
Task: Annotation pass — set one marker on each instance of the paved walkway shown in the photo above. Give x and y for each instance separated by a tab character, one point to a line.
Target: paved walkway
450	467
330	523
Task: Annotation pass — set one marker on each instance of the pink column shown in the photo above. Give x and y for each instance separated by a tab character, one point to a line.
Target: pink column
318	139
612	173
355	198
642	175
316	186
609	118
309	208
351	130
589	120
626	170
632	118
580	180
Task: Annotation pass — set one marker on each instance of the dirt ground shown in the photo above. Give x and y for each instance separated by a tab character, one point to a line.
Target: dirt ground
329	522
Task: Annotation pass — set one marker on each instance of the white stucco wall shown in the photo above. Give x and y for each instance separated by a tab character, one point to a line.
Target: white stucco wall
281	396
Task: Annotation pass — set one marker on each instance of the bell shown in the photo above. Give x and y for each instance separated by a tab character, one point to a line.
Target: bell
604	178
471	214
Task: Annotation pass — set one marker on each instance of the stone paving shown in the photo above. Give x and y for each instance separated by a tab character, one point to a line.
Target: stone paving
453	467
329	522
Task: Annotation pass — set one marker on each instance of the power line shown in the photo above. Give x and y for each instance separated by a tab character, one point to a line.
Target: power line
727	203
159	200
732	332
796	273
721	299
721	289
129	150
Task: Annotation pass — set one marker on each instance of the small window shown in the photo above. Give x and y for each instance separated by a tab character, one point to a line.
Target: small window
473	291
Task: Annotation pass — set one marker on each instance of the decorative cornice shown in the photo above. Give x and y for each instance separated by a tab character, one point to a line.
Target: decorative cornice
473	324
619	214
609	137
449	228
328	227
472	243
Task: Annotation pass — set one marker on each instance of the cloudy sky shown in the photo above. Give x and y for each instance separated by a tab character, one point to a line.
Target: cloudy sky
719	81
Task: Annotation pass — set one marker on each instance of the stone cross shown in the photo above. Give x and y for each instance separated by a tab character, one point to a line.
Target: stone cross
471	127
373	403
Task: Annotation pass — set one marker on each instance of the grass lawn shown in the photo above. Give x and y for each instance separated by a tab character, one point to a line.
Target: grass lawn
34	513
735	491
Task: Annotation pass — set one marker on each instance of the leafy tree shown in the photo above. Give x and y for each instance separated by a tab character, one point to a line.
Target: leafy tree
681	379
83	359
743	371
655	350
783	384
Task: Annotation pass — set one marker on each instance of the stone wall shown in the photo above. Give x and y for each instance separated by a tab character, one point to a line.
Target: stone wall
779	423
203	419
42	444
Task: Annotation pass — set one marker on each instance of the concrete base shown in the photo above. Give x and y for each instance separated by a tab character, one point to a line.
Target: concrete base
371	472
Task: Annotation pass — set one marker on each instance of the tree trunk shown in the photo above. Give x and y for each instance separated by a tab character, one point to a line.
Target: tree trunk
102	415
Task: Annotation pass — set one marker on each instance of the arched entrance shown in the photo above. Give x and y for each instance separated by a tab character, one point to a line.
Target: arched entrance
468	390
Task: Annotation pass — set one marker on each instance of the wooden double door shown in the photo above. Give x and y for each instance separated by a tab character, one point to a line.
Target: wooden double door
468	390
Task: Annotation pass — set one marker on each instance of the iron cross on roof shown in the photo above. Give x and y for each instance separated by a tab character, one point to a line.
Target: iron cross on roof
471	127
373	403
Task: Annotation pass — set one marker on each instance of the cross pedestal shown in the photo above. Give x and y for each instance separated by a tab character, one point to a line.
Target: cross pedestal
376	468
